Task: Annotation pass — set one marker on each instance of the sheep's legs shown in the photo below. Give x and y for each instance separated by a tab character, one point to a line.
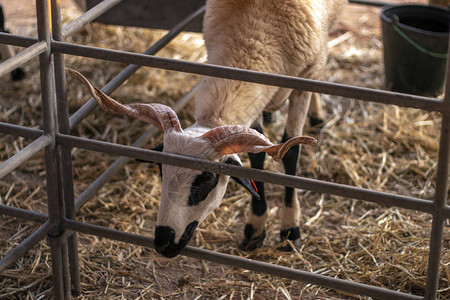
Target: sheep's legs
315	111
298	109
254	232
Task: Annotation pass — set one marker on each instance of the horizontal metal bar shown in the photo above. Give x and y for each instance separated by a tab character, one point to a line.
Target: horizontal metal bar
23	213
337	89
319	186
298	275
17	40
20	157
244	263
121	161
90	105
88	17
369	3
20	250
22	57
17	130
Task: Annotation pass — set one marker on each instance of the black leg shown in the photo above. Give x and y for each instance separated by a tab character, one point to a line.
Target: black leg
291	210
254	232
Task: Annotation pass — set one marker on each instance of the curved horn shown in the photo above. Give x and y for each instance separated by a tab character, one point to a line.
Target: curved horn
230	139
159	115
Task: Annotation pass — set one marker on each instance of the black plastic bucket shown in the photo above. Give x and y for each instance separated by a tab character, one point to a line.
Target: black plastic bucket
415	42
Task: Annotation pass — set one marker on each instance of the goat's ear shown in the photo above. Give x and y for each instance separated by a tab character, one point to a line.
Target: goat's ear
159	148
230	139
248	184
158	115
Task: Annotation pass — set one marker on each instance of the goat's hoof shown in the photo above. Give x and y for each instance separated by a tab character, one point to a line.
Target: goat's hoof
290	246
316	122
293	236
251	240
252	243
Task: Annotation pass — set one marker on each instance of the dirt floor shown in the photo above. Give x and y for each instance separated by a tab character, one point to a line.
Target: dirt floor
362	144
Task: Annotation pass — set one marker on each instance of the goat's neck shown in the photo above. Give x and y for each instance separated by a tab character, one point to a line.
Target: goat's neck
228	102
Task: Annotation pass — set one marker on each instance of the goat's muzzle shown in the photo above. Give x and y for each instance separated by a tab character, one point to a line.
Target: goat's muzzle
165	239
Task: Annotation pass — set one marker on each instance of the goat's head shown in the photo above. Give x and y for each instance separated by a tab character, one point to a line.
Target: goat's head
188	196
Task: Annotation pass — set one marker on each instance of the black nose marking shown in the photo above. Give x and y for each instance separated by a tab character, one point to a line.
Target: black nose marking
165	239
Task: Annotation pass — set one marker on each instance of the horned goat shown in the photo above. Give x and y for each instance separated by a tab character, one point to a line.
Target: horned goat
284	37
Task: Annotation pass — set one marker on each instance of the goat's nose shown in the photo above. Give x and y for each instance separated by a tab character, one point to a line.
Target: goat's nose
164	238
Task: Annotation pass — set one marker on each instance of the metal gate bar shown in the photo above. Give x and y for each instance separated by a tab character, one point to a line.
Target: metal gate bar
51	160
440	197
18	130
23	155
366	94
85	18
23	213
314	185
22	57
245	263
55	157
20	250
17	40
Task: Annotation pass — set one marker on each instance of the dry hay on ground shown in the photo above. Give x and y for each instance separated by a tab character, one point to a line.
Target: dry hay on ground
362	144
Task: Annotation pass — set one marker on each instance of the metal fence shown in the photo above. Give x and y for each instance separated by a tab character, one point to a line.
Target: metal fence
60	224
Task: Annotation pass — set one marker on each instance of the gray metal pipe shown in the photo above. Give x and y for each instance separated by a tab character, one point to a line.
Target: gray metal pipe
20	157
49	125
17	40
69	245
25	245
17	130
22	57
366	94
381	198
257	266
440	198
23	213
369	3
88	17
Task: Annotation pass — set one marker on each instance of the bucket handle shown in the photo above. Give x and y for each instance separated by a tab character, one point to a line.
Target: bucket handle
395	21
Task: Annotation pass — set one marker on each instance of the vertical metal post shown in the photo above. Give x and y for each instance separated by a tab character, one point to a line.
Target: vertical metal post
65	162
51	160
440	199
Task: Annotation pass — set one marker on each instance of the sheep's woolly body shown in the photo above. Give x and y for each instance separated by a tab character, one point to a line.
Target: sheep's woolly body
282	37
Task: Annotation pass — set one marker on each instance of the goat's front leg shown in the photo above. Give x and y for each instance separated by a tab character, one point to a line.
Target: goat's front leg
315	111
298	110
254	232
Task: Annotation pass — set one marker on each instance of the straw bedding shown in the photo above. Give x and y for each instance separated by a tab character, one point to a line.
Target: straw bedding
362	144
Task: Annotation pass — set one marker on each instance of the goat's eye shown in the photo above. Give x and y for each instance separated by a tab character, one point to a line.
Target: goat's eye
202	185
207	177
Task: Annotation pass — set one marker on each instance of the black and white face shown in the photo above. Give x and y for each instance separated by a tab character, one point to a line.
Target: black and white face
188	196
